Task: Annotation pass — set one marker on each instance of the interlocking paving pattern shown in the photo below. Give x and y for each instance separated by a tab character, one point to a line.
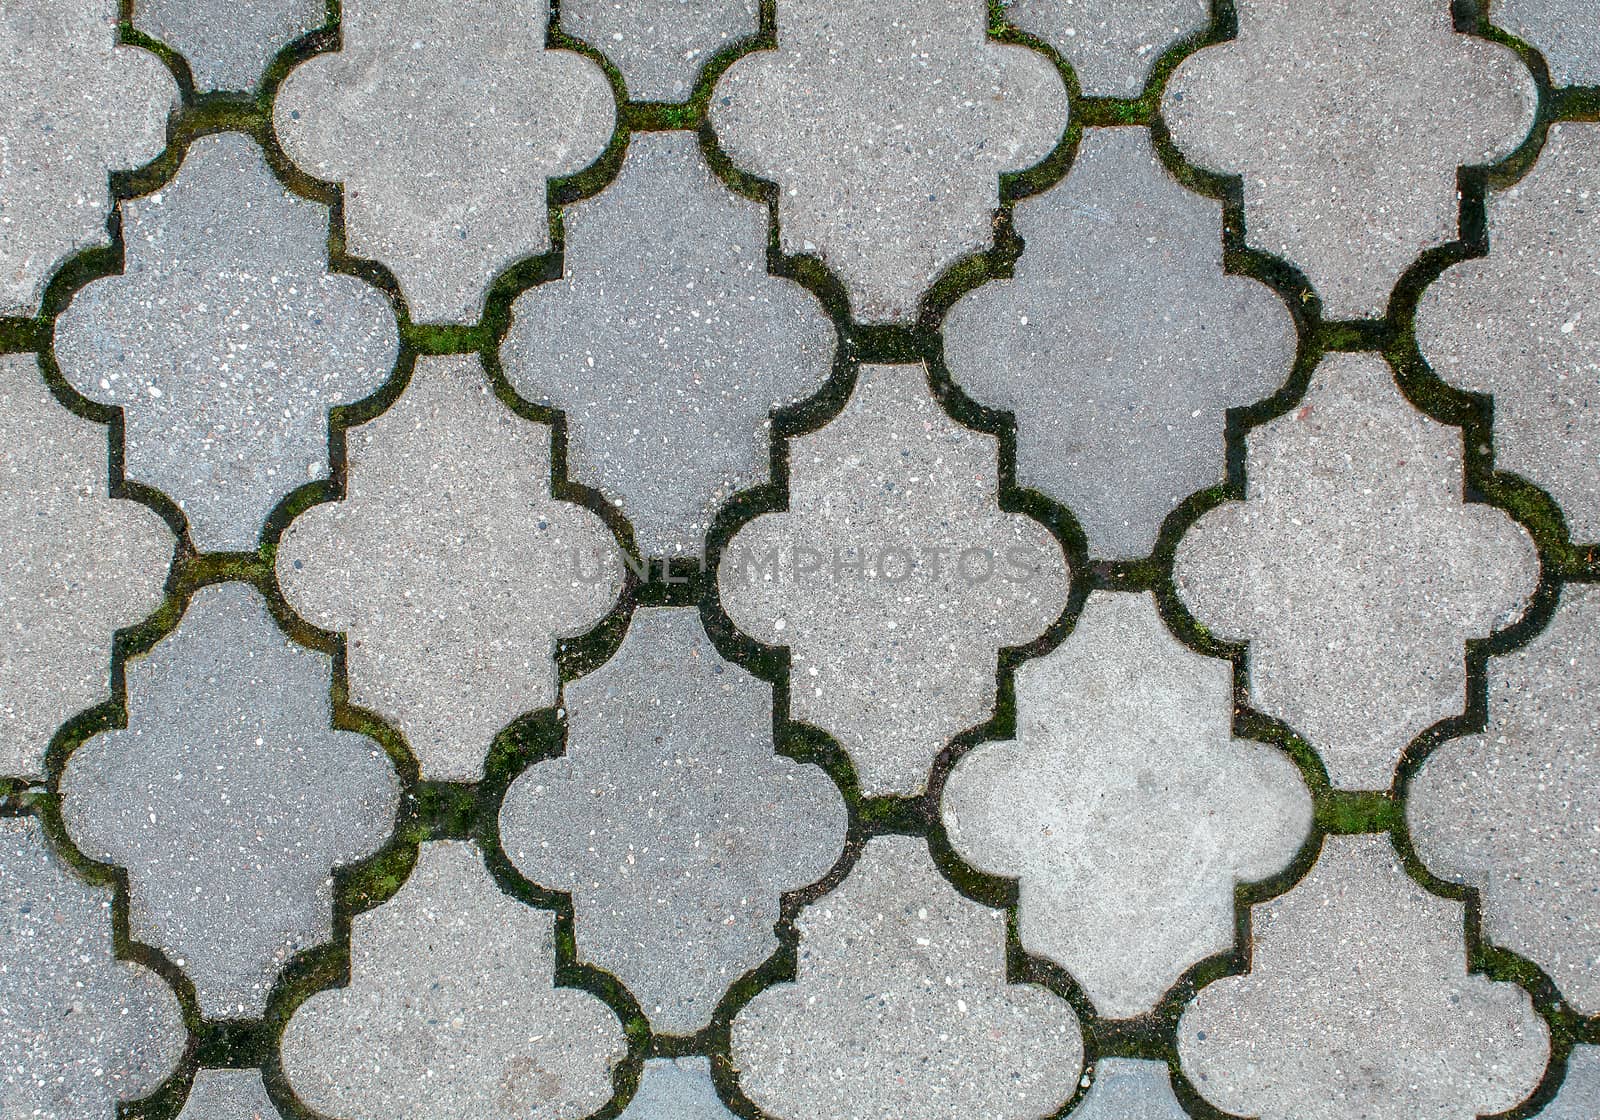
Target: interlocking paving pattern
802	560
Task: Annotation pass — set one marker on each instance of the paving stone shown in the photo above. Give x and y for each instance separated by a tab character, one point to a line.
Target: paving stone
228	1094
1111	44
676	1089
1523	323
1579	1098
1564	31
225	341
648	819
660	45
79	1029
450	567
75	105
1511	811
1124	806
893	578
1359	1005
79	565
451	1011
667	343
1129	1089
1119	343
1347	123
1354	570
901	1007
892	197
228	799
444	122
228	45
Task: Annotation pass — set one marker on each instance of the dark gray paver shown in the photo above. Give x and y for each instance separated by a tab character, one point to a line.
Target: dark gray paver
229	799
1566	32
648	819
667	343
1579	1098
226	340
1111	44
1355	570
228	1094
450	567
227	44
901	1008
676	1089
660	45
1119	343
1129	1089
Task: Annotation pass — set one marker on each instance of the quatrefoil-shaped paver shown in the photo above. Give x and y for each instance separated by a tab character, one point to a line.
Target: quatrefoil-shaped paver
450	567
1355	570
444	122
1567	33
886	127
75	105
893	577
1347	123
226	340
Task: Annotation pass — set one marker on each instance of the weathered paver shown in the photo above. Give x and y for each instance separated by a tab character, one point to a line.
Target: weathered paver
889	197
1129	1089
1119	343
228	1094
1347	123
451	1012
228	45
900	1007
79	564
450	567
1355	570
667	343
1124	806
79	1029
443	123
1111	44
676	1089
229	799
226	340
1523	323
1511	811
893	578
75	105
660	45
650	819
1579	1098
1358	1006
1564	31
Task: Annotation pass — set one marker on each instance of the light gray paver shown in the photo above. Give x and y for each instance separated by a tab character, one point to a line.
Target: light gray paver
451	1012
1359	1006
443	122
1579	1098
676	1089
889	197
78	565
228	1094
229	799
228	44
75	105
226	340
1128	1089
450	567
1347	123
1119	344
660	45
1111	44
893	578
1523	323
1355	570
1511	811
79	1029
1566	32
648	819
667	343
901	1008
1124	806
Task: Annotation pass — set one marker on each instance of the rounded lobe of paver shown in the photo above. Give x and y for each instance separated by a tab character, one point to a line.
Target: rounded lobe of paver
1579	1098
1511	811
226	340
1124	806
1566	32
1355	570
676	1089
451	1012
1523	323
78	565
1347	123
228	1094
450	567
1111	44
76	105
660	45
667	343
900	1009
1119	343
893	577
670	819
229	799
886	128
1358	1006
1129	1089
79	1029
444	122
228	44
